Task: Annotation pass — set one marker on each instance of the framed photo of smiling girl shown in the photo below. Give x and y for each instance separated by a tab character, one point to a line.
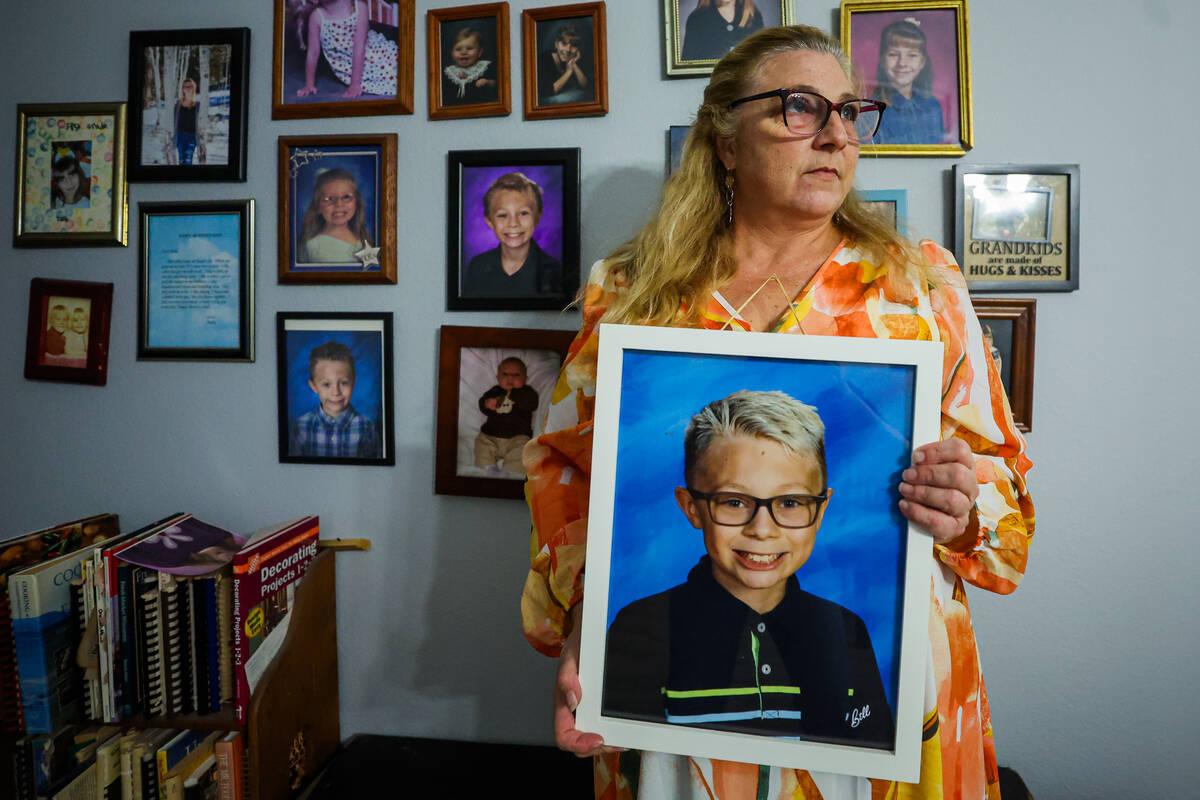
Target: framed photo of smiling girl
337	209
913	56
754	593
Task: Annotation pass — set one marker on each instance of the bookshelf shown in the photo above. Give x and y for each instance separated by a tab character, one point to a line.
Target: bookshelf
292	725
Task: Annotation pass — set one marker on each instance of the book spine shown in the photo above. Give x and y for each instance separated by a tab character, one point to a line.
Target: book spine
240	654
130	696
100	603
212	643
23	597
224	752
91	698
225	635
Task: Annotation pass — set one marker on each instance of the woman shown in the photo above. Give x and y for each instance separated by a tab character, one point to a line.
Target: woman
758	203
185	121
715	26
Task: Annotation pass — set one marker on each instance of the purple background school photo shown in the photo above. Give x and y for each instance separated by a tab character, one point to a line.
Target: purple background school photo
941	34
858	559
477	237
363	163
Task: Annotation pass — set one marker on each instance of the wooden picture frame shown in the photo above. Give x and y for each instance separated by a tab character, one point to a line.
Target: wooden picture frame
1016	226
545	183
363	165
67	335
579	31
70	178
469	362
392	29
665	681
935	118
162	64
696	38
454	89
1009	328
196	281
892	203
316	351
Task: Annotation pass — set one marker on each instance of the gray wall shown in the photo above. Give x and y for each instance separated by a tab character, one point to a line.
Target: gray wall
1088	664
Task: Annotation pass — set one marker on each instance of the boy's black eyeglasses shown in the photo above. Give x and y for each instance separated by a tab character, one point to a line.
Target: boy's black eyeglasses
807	113
788	510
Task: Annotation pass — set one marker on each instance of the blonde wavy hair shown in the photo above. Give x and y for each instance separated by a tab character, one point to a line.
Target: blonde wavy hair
684	251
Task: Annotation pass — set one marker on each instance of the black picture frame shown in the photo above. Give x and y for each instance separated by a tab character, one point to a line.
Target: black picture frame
235	70
469	235
196	278
368	336
1030	249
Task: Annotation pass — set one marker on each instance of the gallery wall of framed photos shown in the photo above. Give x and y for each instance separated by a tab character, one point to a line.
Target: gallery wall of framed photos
205	432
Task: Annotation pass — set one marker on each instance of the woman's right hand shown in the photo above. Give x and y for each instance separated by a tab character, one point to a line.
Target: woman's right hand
567	693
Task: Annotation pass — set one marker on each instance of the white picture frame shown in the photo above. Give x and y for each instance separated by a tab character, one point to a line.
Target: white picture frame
666	375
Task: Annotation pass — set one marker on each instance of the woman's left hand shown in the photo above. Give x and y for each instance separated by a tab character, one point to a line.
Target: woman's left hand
938	491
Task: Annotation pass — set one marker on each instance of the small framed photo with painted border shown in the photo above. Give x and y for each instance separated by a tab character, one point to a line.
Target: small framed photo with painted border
566	61
317	71
1009	326
336	396
67	337
676	139
494	388
809	649
512	241
469	62
196	281
914	56
337	209
1016	226
891	204
70	176
188	99
700	32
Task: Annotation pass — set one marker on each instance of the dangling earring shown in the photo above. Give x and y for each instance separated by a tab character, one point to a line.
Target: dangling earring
729	197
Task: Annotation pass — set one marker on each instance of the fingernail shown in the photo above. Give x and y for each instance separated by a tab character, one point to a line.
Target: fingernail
909	475
918	456
572	701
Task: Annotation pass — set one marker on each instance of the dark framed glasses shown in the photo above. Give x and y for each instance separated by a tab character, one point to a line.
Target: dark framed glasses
807	113
788	510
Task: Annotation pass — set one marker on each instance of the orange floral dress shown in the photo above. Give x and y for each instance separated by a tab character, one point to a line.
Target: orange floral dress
848	296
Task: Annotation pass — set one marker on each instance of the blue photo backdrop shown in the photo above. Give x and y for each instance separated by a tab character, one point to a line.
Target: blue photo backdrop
858	560
367	349
364	163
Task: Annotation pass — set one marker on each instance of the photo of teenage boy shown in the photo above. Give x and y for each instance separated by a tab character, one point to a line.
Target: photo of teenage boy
564	63
740	646
334	429
508	407
518	266
467	76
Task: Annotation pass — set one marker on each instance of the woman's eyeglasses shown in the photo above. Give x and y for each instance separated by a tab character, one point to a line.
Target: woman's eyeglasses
806	113
788	510
330	199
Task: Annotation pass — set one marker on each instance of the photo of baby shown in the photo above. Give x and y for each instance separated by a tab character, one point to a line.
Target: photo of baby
512	241
469	73
565	61
70	176
755	576
339	50
910	61
65	332
334	387
334	209
504	395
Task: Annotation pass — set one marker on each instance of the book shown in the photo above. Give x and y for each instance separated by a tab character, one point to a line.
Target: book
23	551
265	573
148	641
171	783
108	769
175	751
43	633
128	739
225	687
145	763
201	783
229	750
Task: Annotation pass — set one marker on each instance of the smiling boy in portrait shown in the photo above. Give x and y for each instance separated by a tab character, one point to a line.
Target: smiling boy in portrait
333	429
518	267
740	646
